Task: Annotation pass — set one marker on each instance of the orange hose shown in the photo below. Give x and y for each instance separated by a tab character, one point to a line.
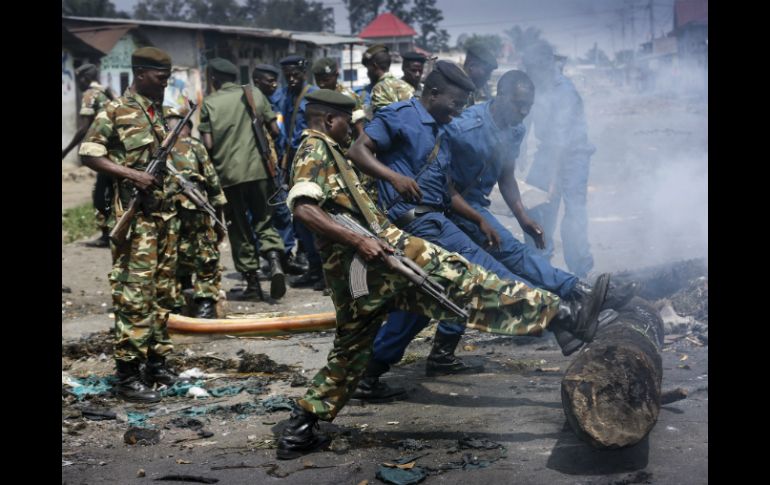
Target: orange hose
317	322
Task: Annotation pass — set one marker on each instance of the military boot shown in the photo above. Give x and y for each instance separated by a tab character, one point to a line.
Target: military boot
253	290
442	359
372	389
102	241
277	277
617	295
298	437
156	371
205	308
313	275
579	317
130	386
293	266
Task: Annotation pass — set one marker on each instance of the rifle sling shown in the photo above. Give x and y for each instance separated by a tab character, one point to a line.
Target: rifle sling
258	120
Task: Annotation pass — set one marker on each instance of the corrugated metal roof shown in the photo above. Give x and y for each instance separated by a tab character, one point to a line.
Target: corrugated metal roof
102	38
327	39
386	25
252	31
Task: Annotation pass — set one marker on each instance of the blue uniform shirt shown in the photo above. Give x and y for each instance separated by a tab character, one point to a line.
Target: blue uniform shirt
287	108
405	134
481	151
559	118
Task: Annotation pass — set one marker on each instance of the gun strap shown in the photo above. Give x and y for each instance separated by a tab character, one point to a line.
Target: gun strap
290	132
356	190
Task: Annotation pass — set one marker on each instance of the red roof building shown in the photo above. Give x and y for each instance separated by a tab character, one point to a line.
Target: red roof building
391	31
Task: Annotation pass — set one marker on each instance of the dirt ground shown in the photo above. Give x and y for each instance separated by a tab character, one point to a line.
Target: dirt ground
516	403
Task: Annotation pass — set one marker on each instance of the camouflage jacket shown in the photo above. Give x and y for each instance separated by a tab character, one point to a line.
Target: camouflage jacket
358	110
128	131
389	90
94	100
315	175
190	157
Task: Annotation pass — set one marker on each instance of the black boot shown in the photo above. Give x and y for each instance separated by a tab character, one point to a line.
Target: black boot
277	277
130	386
102	241
617	295
299	438
442	359
293	266
313	275
186	282
253	290
156	371
372	389
205	308
579	317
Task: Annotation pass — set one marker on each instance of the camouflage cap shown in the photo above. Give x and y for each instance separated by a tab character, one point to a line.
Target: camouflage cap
413	56
454	74
371	51
223	65
174	112
333	99
267	68
293	60
324	65
84	68
151	58
483	54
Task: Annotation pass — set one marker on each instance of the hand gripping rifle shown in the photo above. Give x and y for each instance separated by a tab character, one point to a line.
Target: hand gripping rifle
157	168
194	194
398	262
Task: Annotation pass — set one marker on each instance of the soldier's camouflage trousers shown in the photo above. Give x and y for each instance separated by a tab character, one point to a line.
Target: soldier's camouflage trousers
198	254
143	287
494	305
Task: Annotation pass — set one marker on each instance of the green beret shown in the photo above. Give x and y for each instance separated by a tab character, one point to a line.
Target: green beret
293	60
324	65
84	68
483	54
412	56
151	58
370	52
454	74
223	65
336	100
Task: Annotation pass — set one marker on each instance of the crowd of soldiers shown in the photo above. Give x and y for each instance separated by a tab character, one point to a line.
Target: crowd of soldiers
413	161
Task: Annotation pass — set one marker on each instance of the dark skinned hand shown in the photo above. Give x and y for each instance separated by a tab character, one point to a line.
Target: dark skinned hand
534	230
407	187
493	238
373	249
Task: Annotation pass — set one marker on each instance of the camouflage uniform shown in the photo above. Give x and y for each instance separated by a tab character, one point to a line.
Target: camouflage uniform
94	100
127	132
494	305
389	90
198	252
358	111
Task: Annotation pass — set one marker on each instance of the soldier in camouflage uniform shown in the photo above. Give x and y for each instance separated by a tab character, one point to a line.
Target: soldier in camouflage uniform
95	98
479	64
198	250
494	305
120	143
387	89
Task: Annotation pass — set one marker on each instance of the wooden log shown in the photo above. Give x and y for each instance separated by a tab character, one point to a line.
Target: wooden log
611	391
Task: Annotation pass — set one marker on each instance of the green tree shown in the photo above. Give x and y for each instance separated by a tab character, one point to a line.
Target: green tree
162	10
426	16
91	8
218	12
399	9
493	42
361	12
288	15
524	38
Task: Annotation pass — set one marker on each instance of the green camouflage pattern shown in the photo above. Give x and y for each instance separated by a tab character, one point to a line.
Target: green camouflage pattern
94	100
143	280
342	89
494	305
143	275
388	90
198	255
189	156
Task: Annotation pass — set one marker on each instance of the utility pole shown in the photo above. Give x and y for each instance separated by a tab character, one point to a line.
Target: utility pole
652	21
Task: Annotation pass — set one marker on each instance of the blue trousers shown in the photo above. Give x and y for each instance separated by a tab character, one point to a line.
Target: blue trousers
572	188
401	327
521	259
308	244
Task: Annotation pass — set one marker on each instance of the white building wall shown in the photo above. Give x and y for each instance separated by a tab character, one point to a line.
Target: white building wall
69	108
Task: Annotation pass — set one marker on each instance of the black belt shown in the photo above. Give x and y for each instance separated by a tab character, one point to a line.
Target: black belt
412	214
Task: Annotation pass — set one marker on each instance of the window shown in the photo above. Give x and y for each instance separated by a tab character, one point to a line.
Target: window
350	75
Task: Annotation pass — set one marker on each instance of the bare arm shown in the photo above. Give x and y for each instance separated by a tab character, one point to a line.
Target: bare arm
84	122
307	211
142	180
273	129
362	154
208	141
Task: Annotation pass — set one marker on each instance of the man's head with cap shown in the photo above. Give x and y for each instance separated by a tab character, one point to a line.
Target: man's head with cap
446	91
85	74
412	65
539	62
265	77
325	72
479	64
293	68
330	112
152	68
222	71
377	61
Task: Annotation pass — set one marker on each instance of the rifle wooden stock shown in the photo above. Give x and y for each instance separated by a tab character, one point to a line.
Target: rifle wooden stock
120	231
